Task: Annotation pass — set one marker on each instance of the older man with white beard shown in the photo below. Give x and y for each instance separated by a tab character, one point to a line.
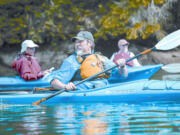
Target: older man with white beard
83	64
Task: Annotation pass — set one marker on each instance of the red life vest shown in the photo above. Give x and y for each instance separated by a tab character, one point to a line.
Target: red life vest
123	55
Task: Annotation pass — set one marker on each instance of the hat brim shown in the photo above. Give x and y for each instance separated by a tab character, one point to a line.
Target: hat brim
77	38
33	46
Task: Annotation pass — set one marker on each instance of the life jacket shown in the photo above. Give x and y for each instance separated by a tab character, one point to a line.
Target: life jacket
91	65
125	56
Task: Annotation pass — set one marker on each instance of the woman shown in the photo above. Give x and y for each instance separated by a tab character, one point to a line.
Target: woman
123	53
26	64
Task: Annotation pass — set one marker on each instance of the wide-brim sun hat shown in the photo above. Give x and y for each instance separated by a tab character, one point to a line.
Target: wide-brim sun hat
28	44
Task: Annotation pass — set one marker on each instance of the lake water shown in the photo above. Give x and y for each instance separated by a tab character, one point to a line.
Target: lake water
154	118
91	119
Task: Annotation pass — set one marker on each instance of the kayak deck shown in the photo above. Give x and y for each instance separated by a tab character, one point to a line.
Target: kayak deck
135	73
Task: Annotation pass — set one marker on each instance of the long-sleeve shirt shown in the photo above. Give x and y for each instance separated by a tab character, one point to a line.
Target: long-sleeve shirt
28	68
69	68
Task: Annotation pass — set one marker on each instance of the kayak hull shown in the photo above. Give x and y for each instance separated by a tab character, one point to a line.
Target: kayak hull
133	97
129	92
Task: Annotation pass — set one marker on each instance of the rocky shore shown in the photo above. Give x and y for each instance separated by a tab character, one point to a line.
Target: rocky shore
52	57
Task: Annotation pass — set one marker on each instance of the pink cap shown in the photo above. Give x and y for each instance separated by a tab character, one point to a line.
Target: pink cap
122	42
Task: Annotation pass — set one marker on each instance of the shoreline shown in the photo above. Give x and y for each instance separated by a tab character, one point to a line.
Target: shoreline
49	57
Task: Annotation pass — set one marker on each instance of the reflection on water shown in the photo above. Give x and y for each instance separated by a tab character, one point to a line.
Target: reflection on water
91	119
94	126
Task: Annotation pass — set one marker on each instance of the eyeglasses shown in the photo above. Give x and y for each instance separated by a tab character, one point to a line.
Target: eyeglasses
32	48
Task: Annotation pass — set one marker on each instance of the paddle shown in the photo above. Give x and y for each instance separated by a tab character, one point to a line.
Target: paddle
172	68
169	42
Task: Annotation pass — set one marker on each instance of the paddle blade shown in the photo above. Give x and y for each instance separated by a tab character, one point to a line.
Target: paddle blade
169	42
172	68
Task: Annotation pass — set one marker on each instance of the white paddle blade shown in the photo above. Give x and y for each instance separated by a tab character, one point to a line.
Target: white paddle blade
172	68
172	77
169	42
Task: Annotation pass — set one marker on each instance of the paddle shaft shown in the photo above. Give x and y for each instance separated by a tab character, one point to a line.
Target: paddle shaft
48	88
142	53
87	79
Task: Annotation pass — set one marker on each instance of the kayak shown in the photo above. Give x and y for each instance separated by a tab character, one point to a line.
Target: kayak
128	92
135	73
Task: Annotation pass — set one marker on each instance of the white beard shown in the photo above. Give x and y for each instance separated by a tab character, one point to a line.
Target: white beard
80	52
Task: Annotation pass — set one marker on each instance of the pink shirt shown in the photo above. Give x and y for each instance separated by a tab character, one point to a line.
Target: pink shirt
123	55
28	68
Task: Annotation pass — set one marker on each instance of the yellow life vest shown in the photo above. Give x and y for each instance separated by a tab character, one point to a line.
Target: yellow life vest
92	65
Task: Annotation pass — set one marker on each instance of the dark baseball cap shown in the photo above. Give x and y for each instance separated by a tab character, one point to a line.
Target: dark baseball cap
83	35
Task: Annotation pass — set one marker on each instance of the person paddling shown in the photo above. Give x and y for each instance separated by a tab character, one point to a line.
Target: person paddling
124	53
83	64
26	64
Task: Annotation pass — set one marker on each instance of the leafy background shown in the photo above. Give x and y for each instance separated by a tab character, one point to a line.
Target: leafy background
52	23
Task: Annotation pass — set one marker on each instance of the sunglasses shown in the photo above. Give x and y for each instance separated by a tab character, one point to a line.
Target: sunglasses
125	45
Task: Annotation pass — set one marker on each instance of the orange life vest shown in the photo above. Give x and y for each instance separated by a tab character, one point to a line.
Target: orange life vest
92	65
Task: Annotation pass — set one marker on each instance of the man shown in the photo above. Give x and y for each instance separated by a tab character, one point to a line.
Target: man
124	53
71	67
26	64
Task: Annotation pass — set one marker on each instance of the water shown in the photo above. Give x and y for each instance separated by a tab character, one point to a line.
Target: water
153	118
91	119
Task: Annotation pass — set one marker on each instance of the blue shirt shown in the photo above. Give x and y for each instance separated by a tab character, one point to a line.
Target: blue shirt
70	66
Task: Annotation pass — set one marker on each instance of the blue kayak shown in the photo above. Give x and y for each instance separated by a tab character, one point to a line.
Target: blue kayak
135	73
128	92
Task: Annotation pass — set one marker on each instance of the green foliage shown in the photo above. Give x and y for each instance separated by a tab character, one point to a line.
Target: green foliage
127	17
50	21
